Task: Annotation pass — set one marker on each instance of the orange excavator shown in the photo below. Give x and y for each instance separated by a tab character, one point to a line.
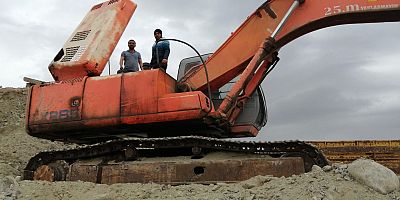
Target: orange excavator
129	120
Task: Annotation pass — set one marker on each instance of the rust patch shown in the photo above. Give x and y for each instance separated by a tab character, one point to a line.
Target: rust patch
205	171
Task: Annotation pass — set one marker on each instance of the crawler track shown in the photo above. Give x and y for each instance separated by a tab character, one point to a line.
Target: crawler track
134	148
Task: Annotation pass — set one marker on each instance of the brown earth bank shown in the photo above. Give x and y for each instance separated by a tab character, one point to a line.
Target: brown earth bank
16	148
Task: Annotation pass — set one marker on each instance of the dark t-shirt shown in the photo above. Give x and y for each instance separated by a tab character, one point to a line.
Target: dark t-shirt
131	60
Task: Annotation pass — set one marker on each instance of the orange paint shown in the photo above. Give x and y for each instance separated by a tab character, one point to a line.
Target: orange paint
112	101
232	57
90	46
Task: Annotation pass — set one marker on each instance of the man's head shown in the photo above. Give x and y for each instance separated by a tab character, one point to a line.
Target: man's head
157	34
131	44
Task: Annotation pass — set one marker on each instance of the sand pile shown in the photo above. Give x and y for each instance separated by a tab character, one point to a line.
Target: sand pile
338	181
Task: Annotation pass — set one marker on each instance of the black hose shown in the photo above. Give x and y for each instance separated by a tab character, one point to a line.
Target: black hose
204	64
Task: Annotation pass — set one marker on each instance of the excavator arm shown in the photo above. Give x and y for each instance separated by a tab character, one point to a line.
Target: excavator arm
249	50
233	56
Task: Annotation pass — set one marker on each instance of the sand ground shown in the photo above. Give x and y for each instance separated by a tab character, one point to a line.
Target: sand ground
16	147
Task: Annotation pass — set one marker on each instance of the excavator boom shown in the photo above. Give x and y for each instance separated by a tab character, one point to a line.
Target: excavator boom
233	56
269	28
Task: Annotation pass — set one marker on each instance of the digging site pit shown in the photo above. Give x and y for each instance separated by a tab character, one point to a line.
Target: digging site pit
361	179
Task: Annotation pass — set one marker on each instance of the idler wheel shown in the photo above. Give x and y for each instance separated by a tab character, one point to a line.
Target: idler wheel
56	171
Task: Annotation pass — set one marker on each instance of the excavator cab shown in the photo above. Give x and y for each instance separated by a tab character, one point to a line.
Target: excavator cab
254	113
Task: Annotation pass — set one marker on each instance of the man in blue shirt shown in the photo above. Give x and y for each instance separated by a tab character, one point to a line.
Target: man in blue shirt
160	52
130	59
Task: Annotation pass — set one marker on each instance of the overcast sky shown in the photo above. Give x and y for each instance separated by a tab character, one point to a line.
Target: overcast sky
333	84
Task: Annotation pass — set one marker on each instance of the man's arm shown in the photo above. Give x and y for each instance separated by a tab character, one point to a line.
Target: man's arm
166	52
140	63
121	62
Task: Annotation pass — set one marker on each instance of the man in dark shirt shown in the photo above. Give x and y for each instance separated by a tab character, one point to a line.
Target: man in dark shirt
160	52
130	59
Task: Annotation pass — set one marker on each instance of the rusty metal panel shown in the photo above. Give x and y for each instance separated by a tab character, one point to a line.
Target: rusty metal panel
104	102
139	93
199	171
59	102
83	172
94	102
163	117
166	84
141	90
180	101
89	47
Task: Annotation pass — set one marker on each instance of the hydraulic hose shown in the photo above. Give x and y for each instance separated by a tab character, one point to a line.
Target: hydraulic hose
198	54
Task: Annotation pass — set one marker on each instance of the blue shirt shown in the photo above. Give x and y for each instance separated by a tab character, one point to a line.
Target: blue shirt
163	52
131	60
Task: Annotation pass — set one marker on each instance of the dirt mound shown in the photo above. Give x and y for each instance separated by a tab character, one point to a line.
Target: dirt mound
12	107
16	147
316	185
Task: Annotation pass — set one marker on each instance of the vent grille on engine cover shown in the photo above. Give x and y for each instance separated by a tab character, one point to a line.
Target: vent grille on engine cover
112	1
82	35
97	6
73	53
